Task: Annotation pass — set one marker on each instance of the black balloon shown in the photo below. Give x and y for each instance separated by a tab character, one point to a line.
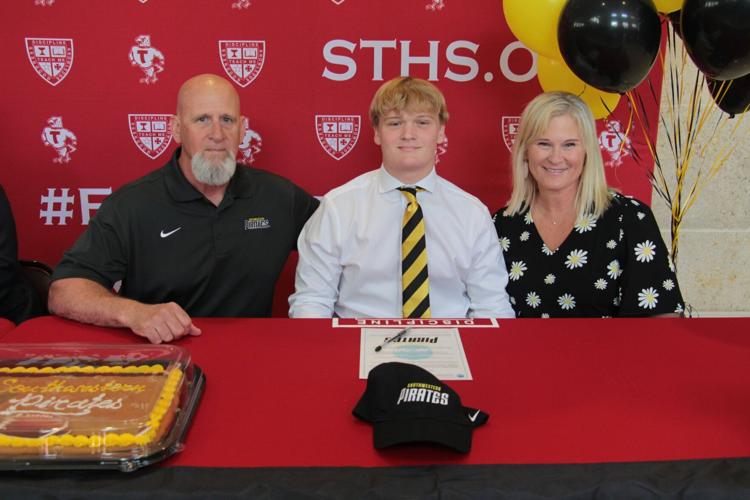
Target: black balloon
735	98
610	45
717	36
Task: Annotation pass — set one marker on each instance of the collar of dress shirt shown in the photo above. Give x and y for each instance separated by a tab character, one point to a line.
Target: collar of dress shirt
389	183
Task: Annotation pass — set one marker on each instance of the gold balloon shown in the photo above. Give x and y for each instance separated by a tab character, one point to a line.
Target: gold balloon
555	75
534	23
667	6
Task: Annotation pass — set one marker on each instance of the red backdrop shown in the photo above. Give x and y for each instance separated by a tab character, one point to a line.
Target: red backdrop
85	82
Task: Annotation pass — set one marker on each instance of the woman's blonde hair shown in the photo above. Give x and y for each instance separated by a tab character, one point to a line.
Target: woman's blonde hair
405	92
593	195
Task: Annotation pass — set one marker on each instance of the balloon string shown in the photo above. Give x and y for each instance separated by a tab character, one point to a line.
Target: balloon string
690	126
634	110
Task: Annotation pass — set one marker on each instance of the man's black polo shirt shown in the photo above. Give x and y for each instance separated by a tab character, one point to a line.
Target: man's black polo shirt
166	242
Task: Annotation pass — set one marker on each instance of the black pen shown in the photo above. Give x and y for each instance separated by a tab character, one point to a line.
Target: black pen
395	337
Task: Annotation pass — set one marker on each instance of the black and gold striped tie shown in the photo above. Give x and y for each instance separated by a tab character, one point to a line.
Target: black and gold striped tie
414	281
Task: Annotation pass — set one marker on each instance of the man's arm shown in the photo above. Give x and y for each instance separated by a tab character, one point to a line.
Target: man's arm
319	267
488	277
86	301
8	247
82	283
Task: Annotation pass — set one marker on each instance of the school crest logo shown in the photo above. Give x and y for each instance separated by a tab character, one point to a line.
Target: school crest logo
442	148
57	137
149	59
241	4
151	133
435	5
337	134
44	3
242	59
250	145
509	125
51	58
615	143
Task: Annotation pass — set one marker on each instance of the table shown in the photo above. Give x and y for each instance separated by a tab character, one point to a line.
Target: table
633	407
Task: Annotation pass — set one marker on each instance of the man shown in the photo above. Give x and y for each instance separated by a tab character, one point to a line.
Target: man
199	237
18	300
356	259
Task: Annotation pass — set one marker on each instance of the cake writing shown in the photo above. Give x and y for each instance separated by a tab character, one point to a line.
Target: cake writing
12	386
53	405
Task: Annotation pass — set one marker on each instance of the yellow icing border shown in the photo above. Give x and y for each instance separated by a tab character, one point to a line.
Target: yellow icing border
147	369
110	439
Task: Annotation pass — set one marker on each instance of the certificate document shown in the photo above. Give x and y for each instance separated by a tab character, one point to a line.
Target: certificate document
437	350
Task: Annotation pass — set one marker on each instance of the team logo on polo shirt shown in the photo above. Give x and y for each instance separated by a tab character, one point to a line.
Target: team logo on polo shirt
337	134
509	126
337	2
242	59
151	133
62	140
149	59
44	3
51	58
252	223
250	145
241	4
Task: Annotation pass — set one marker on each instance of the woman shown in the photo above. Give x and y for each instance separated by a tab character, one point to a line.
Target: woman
574	247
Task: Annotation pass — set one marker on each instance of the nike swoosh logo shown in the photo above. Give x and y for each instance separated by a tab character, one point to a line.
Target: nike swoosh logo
166	235
473	418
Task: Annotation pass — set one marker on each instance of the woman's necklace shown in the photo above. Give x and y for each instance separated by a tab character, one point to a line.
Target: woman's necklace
550	218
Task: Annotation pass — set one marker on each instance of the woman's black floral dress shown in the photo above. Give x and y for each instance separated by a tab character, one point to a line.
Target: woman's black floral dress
616	265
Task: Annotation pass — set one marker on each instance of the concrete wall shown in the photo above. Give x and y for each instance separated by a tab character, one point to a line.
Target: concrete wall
713	261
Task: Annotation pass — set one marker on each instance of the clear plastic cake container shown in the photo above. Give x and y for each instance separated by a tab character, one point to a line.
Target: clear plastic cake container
91	406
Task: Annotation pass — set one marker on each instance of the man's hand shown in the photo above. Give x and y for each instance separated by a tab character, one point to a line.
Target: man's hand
89	302
161	322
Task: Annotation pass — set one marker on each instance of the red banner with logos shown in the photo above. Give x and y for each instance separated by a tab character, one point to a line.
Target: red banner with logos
89	87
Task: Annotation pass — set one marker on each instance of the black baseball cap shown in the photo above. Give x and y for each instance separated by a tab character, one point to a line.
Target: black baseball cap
408	404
